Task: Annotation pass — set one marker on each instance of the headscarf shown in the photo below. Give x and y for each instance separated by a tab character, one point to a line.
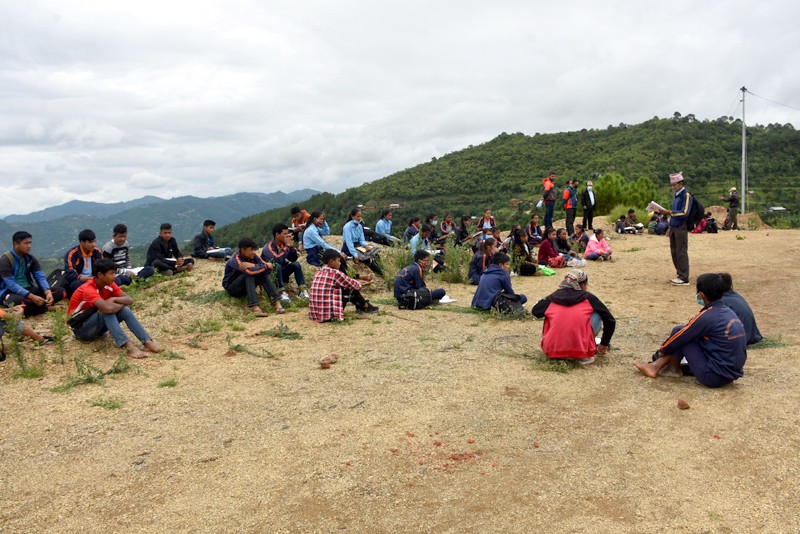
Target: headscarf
573	280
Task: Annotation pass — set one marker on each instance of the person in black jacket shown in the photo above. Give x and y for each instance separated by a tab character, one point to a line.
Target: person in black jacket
164	254
589	202
203	244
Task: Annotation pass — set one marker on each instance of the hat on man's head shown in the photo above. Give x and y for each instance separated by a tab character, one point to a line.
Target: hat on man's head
731	189
676	177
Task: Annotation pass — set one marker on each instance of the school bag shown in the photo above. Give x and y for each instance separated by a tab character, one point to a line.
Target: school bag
57	280
711	226
508	304
696	213
415	299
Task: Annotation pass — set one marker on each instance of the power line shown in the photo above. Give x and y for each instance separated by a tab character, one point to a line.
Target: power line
735	100
773	101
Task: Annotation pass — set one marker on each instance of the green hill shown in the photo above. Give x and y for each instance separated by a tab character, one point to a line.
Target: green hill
511	166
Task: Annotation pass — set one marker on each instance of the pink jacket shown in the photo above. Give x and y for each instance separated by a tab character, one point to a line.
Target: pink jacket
600	247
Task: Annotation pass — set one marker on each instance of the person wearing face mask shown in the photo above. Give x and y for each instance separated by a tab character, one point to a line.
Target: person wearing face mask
589	202
714	342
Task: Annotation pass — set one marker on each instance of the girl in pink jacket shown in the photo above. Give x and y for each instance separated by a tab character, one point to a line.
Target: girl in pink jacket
597	248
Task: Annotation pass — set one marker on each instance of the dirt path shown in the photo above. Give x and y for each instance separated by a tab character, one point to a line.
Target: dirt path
441	420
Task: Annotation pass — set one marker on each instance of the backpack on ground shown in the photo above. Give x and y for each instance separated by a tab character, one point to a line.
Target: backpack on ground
508	304
415	299
696	213
711	226
57	280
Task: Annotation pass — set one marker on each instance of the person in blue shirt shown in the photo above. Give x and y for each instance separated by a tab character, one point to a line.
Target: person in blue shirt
313	243
714	342
353	238
678	232
413	277
384	225
495	280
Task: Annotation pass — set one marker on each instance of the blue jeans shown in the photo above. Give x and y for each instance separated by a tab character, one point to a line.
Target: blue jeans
597	322
98	324
548	214
221	253
283	272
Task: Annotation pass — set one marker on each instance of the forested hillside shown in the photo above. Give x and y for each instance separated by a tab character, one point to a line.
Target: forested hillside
512	166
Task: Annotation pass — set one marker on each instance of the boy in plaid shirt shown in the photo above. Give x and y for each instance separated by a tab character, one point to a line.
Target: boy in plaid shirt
332	289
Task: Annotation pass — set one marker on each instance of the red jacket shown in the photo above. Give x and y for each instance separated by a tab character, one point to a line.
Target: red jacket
567	332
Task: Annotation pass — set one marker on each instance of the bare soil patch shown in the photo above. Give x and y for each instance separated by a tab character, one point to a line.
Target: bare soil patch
439	420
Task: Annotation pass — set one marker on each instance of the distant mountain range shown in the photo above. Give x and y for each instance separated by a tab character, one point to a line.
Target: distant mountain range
55	230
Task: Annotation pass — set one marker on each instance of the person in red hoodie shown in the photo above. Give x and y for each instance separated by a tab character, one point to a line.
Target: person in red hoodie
572	319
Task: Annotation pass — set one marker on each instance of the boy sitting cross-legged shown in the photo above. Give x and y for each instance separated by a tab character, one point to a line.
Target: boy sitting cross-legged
244	272
332	289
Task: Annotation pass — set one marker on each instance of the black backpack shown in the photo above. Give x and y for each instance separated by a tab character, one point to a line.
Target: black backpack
508	304
415	299
696	213
58	281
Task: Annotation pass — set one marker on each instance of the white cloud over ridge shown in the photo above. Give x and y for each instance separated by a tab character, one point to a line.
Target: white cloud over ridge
174	98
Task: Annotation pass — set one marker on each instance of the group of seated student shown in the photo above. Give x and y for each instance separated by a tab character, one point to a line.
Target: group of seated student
203	244
658	224
22	281
707	224
628	224
164	255
713	343
281	255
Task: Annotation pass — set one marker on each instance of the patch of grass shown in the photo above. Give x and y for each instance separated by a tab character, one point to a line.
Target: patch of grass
752	225
456	260
209	325
714	515
376	321
461	309
739	237
85	373
170	354
540	362
168	383
237	347
236	327
296	304
281	331
633	249
111	403
29	372
121	366
60	330
518	315
424	338
210	297
768	343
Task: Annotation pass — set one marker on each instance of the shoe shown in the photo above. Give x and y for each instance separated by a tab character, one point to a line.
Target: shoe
285	296
369	309
586	361
48	340
304	295
512	273
679	282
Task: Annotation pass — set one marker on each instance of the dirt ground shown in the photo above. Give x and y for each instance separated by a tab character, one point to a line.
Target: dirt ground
442	420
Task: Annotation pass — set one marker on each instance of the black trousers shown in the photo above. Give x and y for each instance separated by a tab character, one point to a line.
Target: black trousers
161	265
12	299
244	285
588	217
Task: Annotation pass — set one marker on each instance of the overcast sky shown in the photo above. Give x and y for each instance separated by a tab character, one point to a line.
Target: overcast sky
110	101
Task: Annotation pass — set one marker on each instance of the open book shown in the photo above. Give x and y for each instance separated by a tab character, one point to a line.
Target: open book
655	206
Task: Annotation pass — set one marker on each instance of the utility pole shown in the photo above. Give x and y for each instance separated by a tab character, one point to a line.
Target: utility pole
743	196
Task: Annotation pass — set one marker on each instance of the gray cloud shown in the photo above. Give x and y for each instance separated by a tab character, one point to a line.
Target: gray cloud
173	98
